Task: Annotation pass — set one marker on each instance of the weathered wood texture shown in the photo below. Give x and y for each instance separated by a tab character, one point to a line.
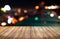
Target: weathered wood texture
30	32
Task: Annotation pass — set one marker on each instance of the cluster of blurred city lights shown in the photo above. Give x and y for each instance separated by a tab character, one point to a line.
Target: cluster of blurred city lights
52	7
21	18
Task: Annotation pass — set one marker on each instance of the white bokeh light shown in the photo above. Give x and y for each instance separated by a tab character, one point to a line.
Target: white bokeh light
7	8
15	14
25	11
9	20
58	17
3	23
51	15
52	7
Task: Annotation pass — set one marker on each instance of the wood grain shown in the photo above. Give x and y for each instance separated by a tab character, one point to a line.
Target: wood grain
30	32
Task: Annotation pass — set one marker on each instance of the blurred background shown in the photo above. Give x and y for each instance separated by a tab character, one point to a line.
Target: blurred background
29	12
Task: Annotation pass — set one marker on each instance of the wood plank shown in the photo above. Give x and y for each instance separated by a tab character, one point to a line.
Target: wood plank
30	32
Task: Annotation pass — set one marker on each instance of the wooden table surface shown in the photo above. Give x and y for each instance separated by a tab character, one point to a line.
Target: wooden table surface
30	32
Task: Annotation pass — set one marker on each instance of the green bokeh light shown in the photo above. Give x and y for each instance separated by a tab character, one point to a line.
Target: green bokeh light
36	18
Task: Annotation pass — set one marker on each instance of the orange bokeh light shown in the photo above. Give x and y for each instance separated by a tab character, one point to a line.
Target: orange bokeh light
14	21
21	18
36	7
42	2
19	10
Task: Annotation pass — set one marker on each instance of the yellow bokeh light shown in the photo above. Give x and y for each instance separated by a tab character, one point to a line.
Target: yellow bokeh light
2	9
3	23
21	18
36	7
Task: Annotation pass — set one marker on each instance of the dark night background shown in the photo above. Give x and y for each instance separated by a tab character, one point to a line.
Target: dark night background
27	3
31	4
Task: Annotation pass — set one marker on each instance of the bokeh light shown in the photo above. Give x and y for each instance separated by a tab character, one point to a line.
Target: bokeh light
51	15
46	7
19	10
14	21
9	20
25	11
36	7
42	3
36	18
7	8
58	17
53	7
15	14
21	18
3	23
2	9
